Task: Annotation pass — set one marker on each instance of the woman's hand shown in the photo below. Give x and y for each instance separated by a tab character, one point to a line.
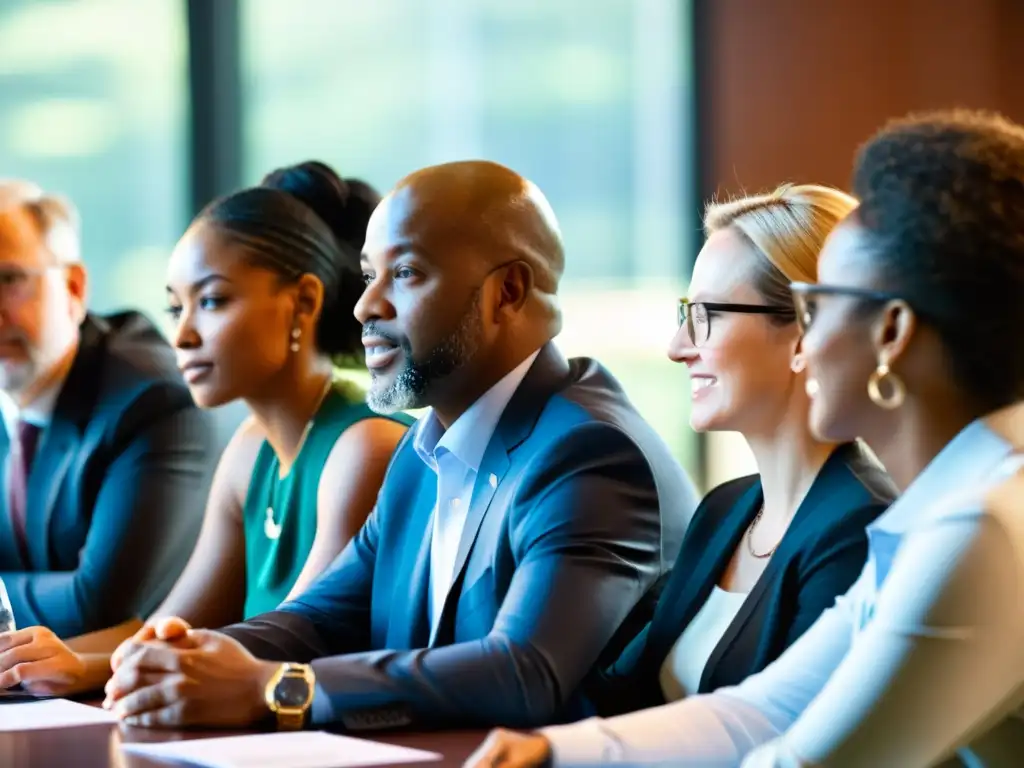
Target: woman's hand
36	658
506	749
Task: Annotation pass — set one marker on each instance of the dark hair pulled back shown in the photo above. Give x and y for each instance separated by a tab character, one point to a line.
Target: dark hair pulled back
306	219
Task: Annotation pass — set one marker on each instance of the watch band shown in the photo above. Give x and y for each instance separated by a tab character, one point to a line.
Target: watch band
291	720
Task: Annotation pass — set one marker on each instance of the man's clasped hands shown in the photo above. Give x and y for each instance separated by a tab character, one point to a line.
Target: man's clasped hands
170	675
166	675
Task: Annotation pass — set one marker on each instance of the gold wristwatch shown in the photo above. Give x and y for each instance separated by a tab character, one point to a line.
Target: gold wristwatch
289	693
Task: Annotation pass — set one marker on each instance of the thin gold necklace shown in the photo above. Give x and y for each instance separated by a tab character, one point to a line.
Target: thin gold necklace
750	537
272	528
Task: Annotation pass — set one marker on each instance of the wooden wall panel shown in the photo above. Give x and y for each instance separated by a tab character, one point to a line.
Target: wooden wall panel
789	88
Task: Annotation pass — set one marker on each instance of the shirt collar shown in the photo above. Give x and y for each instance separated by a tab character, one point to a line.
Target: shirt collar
966	463
468	437
38	412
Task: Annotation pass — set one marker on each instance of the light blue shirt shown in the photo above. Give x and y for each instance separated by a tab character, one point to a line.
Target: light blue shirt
920	656
455	455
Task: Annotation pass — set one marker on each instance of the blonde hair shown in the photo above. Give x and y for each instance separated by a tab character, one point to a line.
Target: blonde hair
54	215
787	228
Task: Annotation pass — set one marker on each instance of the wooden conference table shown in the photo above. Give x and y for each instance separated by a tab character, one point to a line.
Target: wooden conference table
99	746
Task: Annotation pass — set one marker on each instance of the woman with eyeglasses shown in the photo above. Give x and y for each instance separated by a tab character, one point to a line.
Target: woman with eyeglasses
913	340
764	555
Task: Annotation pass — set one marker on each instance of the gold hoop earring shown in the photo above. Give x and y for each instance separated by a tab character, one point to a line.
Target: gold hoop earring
897	392
296	333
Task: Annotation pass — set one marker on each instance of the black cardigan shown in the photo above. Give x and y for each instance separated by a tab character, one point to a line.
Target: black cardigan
820	556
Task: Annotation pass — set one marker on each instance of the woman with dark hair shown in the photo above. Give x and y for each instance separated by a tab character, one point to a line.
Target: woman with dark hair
262	288
912	340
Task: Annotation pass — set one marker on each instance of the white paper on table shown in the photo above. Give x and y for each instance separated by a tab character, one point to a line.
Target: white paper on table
301	749
53	713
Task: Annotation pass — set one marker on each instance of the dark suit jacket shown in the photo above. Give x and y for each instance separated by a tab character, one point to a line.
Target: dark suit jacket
117	488
818	559
578	509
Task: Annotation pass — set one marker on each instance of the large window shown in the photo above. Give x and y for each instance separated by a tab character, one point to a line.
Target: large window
92	100
588	98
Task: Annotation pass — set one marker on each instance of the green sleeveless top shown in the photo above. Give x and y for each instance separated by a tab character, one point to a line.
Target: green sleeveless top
280	513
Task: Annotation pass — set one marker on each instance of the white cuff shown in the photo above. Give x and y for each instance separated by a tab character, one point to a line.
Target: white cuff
582	743
774	754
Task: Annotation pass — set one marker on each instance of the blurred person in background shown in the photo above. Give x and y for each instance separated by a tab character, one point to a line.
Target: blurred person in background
912	339
105	454
261	289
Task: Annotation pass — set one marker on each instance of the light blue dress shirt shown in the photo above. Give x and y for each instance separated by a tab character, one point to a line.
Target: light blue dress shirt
923	656
455	455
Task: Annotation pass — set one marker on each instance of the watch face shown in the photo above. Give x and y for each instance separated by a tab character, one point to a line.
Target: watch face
291	692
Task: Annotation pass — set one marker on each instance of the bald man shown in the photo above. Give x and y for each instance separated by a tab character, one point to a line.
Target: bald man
105	454
520	531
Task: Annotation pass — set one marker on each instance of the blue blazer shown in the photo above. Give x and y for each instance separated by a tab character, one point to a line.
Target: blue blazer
117	488
578	511
820	556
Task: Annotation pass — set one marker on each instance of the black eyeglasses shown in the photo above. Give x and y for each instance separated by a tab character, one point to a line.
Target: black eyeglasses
696	315
805	298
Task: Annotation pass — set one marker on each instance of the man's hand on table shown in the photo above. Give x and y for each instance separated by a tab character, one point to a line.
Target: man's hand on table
169	676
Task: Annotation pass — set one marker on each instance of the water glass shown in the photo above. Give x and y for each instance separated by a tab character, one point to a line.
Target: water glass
6	612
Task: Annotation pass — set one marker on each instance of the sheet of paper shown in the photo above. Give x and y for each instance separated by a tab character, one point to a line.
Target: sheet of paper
303	749
54	713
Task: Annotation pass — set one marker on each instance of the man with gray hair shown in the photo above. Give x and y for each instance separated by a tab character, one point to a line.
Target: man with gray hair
105	454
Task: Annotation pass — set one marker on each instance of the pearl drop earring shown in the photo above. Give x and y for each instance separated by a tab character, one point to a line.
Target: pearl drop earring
296	333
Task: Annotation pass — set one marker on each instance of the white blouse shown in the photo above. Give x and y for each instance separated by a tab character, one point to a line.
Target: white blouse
684	665
922	659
